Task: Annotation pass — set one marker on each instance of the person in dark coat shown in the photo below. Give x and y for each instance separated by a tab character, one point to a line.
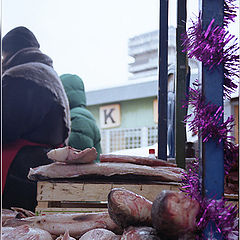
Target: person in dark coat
84	130
35	115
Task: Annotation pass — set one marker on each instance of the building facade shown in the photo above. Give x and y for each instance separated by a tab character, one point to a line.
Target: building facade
127	114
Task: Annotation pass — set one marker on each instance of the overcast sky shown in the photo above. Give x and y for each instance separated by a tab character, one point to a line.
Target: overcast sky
88	37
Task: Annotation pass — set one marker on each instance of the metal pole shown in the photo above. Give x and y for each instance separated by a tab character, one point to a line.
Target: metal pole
163	80
212	87
182	69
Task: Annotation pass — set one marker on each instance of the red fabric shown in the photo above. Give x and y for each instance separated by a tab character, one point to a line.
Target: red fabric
9	151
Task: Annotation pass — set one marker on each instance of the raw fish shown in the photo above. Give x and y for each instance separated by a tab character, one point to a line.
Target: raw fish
61	170
99	234
24	232
129	209
174	214
134	159
76	223
140	233
71	155
66	236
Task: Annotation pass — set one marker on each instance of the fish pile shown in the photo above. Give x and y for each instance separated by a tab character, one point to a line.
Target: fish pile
129	217
71	163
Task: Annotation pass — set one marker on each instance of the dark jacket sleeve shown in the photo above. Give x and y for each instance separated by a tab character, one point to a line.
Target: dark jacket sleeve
24	107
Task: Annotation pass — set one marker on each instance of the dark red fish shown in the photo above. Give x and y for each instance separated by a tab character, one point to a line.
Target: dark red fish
174	214
127	208
134	159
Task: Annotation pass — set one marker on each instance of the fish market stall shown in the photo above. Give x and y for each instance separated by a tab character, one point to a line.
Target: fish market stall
76	186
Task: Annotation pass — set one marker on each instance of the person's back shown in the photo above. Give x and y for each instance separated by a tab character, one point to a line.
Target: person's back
84	130
35	114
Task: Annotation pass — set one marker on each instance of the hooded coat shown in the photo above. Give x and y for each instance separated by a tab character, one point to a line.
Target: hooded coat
35	115
84	130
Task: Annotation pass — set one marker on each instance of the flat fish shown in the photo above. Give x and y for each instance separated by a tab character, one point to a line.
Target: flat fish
60	170
15	212
129	209
7	214
99	234
66	236
24	232
140	233
76	223
172	169
22	213
71	155
134	159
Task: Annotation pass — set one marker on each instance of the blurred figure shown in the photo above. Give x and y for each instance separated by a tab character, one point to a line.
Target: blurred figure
170	124
84	130
35	115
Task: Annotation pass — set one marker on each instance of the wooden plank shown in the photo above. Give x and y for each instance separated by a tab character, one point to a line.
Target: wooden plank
76	199
149	192
231	196
43	211
43	204
50	191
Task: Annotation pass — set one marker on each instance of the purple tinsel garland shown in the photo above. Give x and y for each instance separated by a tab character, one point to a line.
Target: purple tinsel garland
222	213
229	12
214	46
205	119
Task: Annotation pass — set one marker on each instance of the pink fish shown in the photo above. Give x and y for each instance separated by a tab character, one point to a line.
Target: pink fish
76	223
99	234
71	155
61	170
66	236
127	208
15	213
24	232
134	159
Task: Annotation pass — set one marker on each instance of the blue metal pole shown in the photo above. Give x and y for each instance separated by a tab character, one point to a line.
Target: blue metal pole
163	80
212	87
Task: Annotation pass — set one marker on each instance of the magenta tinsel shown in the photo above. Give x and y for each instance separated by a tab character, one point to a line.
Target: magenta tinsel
229	11
222	213
214	46
206	120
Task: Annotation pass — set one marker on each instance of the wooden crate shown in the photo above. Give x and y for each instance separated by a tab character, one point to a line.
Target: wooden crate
232	199
67	197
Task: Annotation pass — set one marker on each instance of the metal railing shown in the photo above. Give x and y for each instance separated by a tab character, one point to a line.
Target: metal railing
128	138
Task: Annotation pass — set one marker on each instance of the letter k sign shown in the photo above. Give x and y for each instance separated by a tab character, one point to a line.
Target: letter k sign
110	116
107	115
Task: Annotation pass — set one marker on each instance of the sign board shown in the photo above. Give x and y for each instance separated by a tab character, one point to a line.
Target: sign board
110	116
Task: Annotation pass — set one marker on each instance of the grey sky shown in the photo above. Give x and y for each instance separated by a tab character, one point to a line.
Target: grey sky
88	37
